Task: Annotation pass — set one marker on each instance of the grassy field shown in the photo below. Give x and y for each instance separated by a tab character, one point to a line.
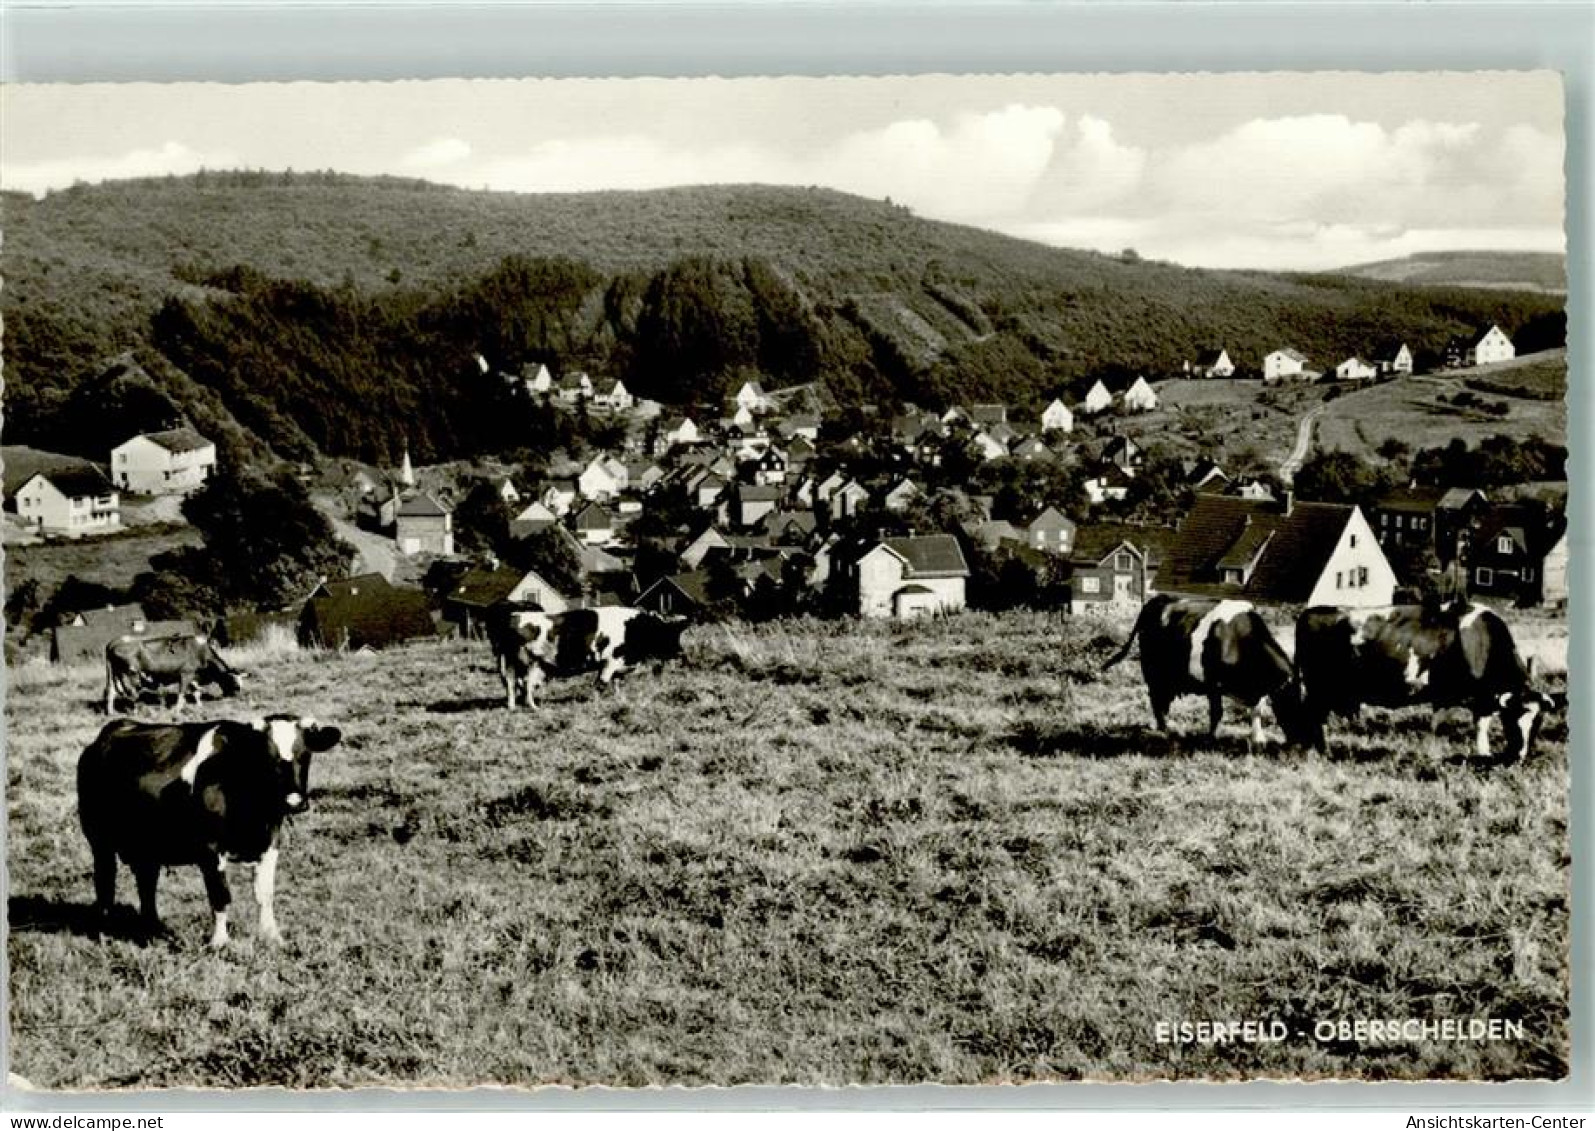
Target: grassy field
807	854
1540	377
1225	419
1409	409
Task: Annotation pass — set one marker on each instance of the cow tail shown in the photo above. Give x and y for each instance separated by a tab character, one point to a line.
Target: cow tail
1135	634
110	684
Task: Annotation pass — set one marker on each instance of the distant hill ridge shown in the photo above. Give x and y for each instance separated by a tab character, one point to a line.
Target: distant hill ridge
1517	270
340	314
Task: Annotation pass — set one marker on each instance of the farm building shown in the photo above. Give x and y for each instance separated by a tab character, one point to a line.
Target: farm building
1519	554
1485	346
1286	553
1427	518
1394	357
363	613
73	500
424	526
478	590
173	462
1356	369
82	639
680	594
909	577
1211	363
1113	566
1057	417
1283	365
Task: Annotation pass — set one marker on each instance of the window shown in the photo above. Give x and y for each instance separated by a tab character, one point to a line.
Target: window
1485	577
1528	573
1353	541
1090	585
1503	544
1362	576
1121	563
121	457
1339	579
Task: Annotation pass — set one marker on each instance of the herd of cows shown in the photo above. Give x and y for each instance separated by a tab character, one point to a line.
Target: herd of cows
215	793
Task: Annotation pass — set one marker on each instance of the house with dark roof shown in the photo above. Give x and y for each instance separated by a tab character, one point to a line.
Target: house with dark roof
1393	357
1518	553
1112	567
1418	518
70	499
1286	553
369	616
910	577
1051	531
680	594
1204	473
478	590
83	636
1486	345
424	526
172	462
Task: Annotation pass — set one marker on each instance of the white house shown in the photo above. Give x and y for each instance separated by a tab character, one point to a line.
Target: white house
988	446
1098	399
1282	553
173	462
1355	369
752	397
1490	347
1140	397
909	577
1056	417
424	526
847	498
1282	364
1397	360
678	430
598	480
611	393
69	500
536	379
1211	363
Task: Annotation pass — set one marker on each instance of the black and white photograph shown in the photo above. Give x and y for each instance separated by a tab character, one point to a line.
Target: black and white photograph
943	579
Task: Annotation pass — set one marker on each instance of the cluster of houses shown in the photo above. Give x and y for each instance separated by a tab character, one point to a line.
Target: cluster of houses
65	497
1484	346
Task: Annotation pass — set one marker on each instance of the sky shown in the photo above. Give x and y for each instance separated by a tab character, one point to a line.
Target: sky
1269	170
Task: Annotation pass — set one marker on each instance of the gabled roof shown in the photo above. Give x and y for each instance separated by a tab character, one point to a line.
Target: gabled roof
78	482
1294	355
1219	527
484	587
1459	497
1535	531
178	440
1051	517
1421	500
758	493
422	506
350	586
1097	541
593	516
1209	357
693	585
988	413
929	555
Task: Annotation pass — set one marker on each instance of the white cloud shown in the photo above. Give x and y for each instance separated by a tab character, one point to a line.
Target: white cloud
172	157
437	153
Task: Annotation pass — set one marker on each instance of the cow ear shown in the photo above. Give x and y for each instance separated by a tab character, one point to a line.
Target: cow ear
319	739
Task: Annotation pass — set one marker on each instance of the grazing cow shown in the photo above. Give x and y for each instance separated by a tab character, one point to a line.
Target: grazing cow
533	646
159	795
1220	649
135	665
1453	655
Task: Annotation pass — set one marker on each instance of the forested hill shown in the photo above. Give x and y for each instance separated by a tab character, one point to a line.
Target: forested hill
342	315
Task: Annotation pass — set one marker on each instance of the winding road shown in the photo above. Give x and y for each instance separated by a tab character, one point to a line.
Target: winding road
1304	443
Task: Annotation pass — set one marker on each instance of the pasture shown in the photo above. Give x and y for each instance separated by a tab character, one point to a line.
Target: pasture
810	853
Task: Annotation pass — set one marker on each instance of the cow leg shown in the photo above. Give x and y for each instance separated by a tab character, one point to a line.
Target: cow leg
265	892
1482	743
1258	738
214	869
534	679
607	673
1215	713
147	875
1160	710
104	878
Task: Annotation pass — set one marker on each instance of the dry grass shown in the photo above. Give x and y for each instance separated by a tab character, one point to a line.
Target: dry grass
811	854
1409	409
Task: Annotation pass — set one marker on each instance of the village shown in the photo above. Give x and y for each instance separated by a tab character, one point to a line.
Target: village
769	505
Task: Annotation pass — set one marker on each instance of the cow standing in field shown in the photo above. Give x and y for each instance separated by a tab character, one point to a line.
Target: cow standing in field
532	646
1454	655
209	794
1217	649
135	665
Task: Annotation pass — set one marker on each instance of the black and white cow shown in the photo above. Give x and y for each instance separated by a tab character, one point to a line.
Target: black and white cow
1453	655
209	794
138	665
1217	649
532	646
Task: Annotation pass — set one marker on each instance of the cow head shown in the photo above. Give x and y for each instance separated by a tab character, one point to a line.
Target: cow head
291	740
1290	711
661	638
1521	715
